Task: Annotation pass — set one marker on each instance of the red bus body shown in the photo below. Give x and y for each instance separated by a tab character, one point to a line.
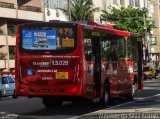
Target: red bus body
66	73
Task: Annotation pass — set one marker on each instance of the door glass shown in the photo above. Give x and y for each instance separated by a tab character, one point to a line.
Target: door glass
88	46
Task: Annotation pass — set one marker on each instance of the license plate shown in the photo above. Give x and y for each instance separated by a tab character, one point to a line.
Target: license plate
47	90
61	75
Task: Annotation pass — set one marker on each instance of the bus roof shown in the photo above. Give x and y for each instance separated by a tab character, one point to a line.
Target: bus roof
109	27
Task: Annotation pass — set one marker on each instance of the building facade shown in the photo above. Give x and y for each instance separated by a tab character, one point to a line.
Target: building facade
51	11
12	13
154	10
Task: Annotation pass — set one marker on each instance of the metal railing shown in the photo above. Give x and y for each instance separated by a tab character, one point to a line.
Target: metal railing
7	5
30	8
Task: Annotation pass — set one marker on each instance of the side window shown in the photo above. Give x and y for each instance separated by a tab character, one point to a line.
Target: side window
4	80
132	49
11	80
121	48
113	47
110	50
113	50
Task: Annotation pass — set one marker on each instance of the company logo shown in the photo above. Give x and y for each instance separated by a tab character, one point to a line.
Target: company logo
41	63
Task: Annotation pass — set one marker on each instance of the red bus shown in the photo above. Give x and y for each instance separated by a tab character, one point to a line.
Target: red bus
77	60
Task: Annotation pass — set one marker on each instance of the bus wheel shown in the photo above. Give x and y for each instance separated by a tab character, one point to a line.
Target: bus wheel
51	102
130	96
106	96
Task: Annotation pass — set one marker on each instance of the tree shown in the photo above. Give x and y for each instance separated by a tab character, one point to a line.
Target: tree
128	19
81	10
2	56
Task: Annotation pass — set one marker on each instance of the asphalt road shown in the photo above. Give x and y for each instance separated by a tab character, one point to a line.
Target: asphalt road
146	104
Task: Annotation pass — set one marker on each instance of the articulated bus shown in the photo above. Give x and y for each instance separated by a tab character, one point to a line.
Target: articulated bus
77	60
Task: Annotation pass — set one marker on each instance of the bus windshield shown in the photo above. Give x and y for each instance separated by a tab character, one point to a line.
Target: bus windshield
52	38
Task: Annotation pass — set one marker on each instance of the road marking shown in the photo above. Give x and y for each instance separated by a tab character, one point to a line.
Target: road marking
133	101
115	106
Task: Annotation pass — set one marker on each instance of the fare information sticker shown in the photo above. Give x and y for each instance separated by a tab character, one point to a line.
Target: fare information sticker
61	75
68	43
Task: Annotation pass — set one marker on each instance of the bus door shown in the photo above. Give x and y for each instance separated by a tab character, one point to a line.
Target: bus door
92	57
123	77
140	57
97	63
88	66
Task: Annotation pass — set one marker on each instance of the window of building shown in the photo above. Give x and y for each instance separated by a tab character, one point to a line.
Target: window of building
53	4
11	29
122	2
151	8
11	52
131	2
137	3
115	2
